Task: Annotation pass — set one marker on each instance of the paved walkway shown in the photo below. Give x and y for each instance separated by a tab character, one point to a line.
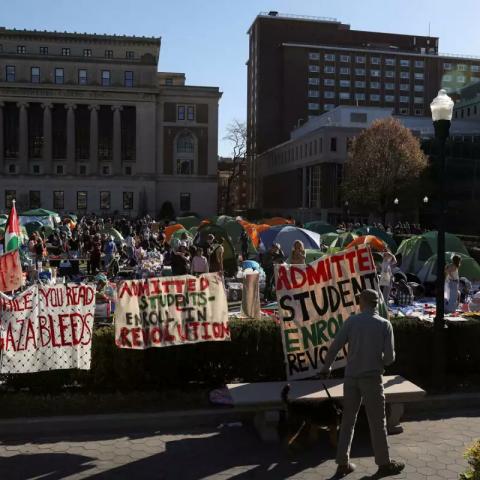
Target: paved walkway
431	447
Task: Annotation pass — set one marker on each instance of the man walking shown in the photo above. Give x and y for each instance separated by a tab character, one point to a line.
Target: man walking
370	348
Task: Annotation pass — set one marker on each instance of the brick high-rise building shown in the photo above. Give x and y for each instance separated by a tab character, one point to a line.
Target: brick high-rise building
300	67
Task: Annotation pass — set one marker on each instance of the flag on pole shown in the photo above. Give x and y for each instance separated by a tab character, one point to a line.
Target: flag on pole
12	231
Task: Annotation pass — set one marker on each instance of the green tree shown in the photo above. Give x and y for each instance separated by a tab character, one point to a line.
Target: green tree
384	161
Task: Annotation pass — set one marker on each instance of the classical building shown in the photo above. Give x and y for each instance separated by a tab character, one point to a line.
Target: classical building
87	124
300	67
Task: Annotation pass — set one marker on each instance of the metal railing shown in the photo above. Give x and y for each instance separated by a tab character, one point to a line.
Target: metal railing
298	17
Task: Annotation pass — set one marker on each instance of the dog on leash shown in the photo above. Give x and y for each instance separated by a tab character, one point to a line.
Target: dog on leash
307	416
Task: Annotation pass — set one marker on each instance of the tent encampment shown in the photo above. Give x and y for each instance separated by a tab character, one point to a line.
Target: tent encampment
320	227
189	222
469	268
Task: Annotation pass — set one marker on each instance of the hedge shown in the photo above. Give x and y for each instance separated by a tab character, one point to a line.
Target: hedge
254	354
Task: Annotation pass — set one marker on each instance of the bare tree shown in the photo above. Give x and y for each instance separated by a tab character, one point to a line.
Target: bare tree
237	136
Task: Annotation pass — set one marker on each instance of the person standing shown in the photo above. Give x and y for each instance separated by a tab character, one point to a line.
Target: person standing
244	244
298	255
216	257
370	348
274	256
452	281
386	275
199	262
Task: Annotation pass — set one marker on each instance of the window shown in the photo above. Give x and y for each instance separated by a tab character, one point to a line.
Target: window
185	143
418	100
360	59
313	106
82	77
419	76
10	73
375	60
447	78
58	200
390	62
34	198
345	83
329	57
390	98
329	82
87	52
35	74
374	97
105	170
404	111
389	86
418	88
475	68
180	112
10	195
389	73
344	71
418	111
59	169
313	68
333	144
344	96
128	79
405	75
82	169
59	79
374	73
404	98
460	79
419	63
36	169
360	96
360	72
105	78
329	69
447	66
82	200
12	168
313	93
128	170
313	81
130	55
108	53
404	87
345	58
328	94
404	63
360	84
461	67
104	200
66	52
374	85
314	56
43	50
190	113
21	49
127	200
169	81
185	202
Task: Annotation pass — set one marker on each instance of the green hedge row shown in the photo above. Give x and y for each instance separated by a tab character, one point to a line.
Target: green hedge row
254	354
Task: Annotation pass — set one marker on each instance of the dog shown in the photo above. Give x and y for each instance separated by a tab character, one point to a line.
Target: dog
306	416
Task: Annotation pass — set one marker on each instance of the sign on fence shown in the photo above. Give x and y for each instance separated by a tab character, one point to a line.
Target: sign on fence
160	312
47	328
11	276
314	301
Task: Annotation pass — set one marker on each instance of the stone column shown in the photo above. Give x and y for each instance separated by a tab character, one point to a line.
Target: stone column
23	137
2	146
70	138
47	137
93	138
117	140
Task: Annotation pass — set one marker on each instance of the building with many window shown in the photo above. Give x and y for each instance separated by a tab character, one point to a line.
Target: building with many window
88	124
300	67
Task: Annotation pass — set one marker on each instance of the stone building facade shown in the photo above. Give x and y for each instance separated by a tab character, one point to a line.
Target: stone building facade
87	124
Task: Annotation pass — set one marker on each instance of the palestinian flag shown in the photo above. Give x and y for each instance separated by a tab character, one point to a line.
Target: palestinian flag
12	231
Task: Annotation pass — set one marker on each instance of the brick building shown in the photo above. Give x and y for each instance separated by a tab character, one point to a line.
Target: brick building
88	124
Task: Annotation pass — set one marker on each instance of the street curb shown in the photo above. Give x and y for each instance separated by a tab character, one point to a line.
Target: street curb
214	417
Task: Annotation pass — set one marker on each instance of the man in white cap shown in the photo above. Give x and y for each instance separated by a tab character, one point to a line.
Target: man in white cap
370	348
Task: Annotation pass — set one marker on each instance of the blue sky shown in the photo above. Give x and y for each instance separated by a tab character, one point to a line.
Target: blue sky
207	39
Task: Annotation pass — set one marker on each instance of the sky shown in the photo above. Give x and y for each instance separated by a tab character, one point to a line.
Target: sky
207	39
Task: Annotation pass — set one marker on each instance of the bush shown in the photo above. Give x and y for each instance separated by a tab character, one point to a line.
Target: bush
254	354
473	457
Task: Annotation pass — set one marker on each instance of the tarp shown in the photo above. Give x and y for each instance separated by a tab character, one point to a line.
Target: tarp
320	227
189	222
286	235
381	234
469	268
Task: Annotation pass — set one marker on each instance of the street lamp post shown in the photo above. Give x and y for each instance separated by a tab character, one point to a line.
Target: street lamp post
425	203
442	108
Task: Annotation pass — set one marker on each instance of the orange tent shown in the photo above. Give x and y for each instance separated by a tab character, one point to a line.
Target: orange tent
171	229
253	231
374	242
277	221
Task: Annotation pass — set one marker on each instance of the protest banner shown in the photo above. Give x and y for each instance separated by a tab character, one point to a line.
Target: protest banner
160	312
11	276
314	300
47	328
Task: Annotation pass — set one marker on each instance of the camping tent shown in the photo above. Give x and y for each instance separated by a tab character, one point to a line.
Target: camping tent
234	230
286	235
418	249
469	268
45	217
277	221
381	234
189	222
113	232
223	219
329	238
320	227
343	240
171	229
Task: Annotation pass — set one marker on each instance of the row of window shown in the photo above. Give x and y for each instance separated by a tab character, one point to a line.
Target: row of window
186	112
332	57
361	72
402	111
87	52
60	169
466	112
461	67
106	76
329	82
362	97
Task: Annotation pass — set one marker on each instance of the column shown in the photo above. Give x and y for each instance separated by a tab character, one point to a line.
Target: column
117	140
70	138
47	137
2	147
93	138
23	137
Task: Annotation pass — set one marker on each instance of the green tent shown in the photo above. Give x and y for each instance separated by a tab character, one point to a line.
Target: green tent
229	256
4	216
189	222
193	231
312	255
469	268
416	250
39	212
320	227
381	234
328	238
31	227
113	232
234	230
343	240
223	219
